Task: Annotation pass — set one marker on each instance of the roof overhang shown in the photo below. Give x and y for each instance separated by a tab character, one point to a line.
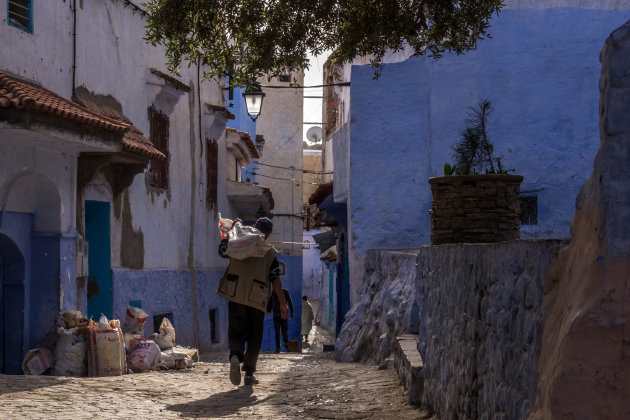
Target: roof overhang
250	201
241	145
91	125
320	194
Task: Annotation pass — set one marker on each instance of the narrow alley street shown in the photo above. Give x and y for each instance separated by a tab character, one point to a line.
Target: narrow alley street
309	385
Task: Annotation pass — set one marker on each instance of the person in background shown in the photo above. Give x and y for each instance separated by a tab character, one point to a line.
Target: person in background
279	324
246	285
307	318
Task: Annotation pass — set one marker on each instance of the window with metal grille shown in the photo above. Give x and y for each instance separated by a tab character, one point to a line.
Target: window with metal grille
20	14
157	320
214	336
529	210
212	161
286	78
158	171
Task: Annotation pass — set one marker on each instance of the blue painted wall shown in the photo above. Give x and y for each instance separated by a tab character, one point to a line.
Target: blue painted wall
160	291
68	275
293	283
169	291
242	122
44	285
541	72
207	284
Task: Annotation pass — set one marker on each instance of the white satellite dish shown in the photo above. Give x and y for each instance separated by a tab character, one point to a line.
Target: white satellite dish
314	134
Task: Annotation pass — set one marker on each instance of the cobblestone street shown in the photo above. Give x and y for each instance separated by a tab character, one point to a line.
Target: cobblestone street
292	385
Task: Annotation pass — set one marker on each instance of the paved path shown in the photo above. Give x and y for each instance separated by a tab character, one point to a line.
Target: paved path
292	385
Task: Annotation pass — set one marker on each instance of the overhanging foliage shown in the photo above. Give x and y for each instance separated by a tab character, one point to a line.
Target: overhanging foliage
248	39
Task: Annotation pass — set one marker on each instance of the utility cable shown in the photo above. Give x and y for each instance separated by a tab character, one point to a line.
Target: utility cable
308	171
282	179
280	147
304	87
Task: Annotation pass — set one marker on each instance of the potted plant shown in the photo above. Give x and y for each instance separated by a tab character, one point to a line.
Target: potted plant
477	200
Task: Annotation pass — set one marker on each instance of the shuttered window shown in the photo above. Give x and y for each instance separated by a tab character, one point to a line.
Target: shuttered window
20	14
212	159
158	171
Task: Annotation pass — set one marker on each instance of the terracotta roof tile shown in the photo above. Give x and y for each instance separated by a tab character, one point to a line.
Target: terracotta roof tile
133	139
15	94
20	95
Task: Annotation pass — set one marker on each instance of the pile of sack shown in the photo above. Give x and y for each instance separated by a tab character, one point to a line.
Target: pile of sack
77	346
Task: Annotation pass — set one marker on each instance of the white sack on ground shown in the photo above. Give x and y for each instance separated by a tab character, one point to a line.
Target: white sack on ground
37	361
70	353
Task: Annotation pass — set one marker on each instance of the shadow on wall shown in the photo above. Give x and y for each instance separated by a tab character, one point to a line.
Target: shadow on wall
585	358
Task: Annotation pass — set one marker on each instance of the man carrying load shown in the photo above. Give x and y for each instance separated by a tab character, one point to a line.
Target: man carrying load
247	284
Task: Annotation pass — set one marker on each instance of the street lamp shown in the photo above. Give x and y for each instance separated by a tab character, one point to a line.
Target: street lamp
253	101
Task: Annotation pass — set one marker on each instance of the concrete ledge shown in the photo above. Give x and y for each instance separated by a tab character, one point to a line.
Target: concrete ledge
408	363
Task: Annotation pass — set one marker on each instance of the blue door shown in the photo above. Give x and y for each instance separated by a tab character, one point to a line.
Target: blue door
99	287
11	307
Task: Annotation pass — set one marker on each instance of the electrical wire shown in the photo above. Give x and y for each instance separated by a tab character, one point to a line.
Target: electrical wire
280	147
282	179
304	87
307	171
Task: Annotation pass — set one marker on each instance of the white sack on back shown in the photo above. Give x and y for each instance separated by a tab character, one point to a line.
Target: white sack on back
245	242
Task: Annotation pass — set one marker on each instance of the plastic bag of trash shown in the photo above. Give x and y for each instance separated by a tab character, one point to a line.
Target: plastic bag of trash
165	339
170	359
74	319
135	320
245	242
70	353
145	356
186	350
224	226
37	362
106	348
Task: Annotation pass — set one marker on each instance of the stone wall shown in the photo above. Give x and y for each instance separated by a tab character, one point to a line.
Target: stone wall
480	330
385	309
475	208
477	311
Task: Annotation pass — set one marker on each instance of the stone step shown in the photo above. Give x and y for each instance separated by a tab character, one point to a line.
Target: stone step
408	363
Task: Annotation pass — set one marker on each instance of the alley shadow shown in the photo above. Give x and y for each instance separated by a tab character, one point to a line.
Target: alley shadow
219	405
10	384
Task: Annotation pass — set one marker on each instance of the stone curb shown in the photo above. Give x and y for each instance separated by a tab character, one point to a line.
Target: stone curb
409	366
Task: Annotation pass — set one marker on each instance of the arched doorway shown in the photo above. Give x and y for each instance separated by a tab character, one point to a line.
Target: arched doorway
11	307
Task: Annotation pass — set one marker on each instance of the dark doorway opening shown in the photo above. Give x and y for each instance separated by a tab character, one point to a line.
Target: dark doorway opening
11	307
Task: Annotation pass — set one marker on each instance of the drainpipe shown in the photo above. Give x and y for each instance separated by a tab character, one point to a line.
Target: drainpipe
199	106
74	46
191	233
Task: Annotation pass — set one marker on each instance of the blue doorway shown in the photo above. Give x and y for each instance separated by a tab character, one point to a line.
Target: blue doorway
11	307
97	234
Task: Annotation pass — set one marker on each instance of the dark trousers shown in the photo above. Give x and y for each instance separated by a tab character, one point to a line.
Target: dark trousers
280	324
245	325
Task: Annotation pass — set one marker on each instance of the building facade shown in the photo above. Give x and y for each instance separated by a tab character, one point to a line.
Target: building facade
541	72
112	172
279	127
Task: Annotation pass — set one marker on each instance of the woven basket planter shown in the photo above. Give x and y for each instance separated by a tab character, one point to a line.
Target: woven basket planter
475	208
